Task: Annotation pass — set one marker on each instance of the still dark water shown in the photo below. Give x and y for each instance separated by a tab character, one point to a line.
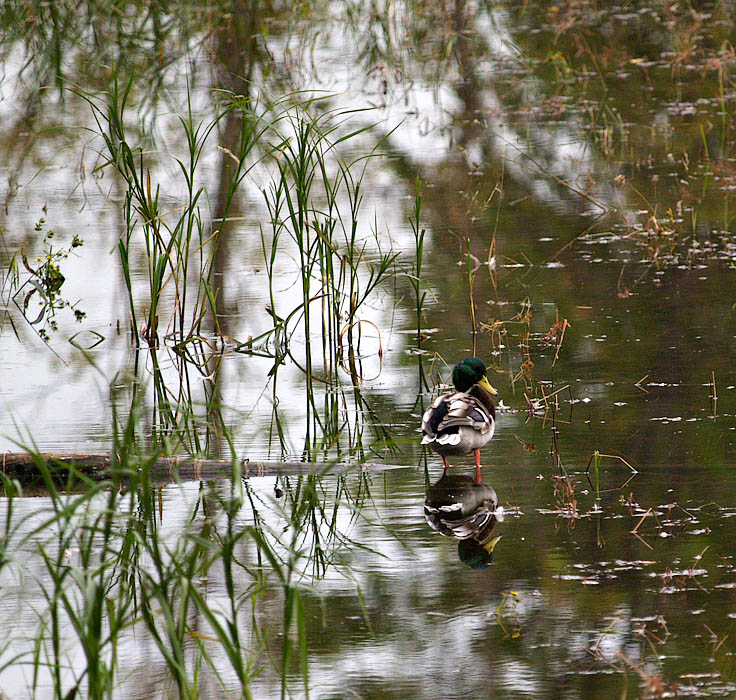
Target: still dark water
577	159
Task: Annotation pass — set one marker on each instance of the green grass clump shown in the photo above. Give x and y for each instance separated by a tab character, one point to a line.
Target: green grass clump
109	570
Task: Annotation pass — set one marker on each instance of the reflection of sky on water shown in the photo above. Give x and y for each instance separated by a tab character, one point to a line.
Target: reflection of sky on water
411	638
434	620
57	399
431	616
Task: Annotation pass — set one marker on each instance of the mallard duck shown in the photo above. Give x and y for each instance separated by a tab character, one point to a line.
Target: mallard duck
462	422
459	506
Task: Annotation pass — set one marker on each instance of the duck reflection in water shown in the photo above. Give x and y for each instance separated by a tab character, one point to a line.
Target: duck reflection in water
464	507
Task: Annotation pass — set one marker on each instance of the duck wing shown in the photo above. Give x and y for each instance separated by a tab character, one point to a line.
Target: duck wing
451	411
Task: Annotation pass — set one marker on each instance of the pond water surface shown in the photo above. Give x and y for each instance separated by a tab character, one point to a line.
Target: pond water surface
572	167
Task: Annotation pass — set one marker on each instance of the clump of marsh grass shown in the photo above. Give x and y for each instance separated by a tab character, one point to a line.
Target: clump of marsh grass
175	239
110	567
313	200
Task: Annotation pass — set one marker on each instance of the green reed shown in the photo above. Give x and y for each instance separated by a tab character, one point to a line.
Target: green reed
415	277
176	237
179	246
314	201
109	571
470	261
596	477
420	294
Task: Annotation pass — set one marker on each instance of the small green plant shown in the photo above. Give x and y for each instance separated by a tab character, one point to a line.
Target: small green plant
595	461
596	464
45	283
506	615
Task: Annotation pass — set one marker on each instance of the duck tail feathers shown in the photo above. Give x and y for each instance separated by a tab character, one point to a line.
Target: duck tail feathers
449	439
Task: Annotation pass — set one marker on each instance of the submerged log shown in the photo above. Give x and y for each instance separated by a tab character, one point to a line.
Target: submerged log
62	465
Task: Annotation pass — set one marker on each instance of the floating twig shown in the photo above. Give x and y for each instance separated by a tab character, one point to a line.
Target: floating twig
598	456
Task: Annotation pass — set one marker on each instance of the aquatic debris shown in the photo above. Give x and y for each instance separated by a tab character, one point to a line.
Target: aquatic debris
595	461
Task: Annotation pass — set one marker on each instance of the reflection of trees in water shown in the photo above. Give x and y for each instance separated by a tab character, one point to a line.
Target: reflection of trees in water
541	101
536	89
541	90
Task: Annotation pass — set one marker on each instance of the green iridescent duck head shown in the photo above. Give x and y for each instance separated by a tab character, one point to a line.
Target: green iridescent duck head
469	372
